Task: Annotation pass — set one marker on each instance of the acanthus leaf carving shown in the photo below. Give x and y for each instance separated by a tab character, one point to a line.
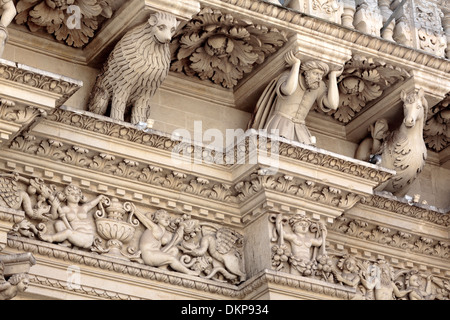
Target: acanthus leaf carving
55	17
364	80
216	46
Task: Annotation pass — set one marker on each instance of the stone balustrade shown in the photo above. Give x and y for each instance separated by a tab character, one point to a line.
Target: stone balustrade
420	24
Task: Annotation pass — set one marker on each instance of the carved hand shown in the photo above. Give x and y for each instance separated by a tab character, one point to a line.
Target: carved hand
336	73
291	58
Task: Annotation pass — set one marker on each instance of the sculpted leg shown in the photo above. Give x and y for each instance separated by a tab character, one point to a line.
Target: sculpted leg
140	110
118	107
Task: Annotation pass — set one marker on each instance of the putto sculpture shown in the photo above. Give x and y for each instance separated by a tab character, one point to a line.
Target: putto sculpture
287	100
135	69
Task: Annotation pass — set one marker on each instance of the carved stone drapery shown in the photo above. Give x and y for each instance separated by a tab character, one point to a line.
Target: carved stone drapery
219	47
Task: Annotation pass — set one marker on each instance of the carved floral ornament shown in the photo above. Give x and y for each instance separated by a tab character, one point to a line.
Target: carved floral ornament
52	16
218	47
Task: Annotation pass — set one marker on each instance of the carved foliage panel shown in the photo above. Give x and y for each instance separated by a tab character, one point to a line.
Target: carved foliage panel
364	80
218	47
71	21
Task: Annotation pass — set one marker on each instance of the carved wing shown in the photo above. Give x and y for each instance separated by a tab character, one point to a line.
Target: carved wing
9	192
227	239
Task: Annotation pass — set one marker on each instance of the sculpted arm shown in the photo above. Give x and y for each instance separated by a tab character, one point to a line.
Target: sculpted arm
91	204
9	12
332	99
290	85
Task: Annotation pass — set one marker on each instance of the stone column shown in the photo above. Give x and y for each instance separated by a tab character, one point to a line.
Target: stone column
349	13
386	12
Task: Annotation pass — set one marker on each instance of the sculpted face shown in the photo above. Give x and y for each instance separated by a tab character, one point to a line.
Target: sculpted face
164	27
313	78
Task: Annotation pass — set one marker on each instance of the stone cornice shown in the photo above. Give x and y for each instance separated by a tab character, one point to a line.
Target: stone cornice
37	84
402	207
409	241
285	18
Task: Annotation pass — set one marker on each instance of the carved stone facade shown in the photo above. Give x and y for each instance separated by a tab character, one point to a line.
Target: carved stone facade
131	168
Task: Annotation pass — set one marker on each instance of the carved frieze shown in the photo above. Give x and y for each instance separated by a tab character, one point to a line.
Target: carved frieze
70	219
218	47
71	21
299	248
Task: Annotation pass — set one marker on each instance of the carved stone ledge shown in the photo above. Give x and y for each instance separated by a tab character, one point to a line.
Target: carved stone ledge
264	281
283	283
404	240
278	16
33	87
122	267
402	207
80	290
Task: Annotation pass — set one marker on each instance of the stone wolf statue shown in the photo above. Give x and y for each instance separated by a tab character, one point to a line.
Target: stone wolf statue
135	69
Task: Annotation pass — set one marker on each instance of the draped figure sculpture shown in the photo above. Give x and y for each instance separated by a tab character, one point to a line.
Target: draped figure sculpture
285	103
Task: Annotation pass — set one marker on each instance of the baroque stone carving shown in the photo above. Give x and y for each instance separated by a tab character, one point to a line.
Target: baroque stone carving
7	16
219	47
61	86
419	25
135	69
73	223
186	246
326	9
404	149
71	21
388	236
300	246
437	128
14	197
363	80
18	114
287	100
69	219
115	223
14	277
368	18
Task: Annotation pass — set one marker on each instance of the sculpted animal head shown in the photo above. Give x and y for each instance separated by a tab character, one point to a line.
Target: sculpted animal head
415	108
163	26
